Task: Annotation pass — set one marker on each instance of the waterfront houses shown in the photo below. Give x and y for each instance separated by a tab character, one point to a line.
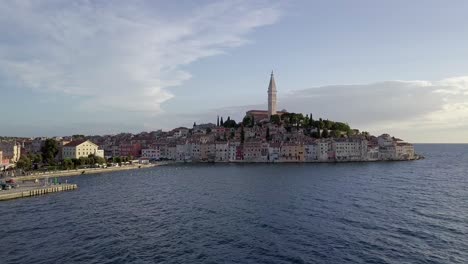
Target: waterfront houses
257	150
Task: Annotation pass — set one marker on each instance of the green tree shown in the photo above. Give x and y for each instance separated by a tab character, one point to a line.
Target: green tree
99	160
49	151
325	133
247	121
335	134
84	160
275	119
36	158
91	159
68	164
76	162
230	123
24	163
221	122
340	126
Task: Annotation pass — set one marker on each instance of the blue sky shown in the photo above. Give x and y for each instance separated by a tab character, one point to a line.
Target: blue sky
93	67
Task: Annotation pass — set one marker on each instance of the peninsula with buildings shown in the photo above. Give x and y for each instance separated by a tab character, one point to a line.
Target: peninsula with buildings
267	136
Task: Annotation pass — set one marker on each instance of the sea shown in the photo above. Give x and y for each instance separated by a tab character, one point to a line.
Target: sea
376	212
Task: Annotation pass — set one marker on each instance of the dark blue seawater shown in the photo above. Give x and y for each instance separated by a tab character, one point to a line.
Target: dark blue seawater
386	212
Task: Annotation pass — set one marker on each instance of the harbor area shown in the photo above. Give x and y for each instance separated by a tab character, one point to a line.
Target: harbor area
13	189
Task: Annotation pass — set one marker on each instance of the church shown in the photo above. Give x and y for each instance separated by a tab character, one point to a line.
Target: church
264	115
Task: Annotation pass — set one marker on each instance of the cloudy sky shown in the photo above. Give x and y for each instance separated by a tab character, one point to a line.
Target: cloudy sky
96	67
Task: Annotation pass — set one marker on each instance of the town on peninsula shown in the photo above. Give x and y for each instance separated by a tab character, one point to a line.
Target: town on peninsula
266	136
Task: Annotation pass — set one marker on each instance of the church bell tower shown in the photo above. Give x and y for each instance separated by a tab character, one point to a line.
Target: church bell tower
272	96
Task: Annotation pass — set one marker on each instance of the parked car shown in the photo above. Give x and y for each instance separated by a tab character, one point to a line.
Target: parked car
12	183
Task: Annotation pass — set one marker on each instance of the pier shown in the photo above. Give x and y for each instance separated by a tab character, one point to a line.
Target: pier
30	191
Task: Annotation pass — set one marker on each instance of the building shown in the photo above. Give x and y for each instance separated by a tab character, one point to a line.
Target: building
311	150
233	150
292	152
272	96
11	151
61	144
183	151
260	115
274	150
81	148
130	149
324	152
180	132
349	150
404	151
221	152
252	151
153	153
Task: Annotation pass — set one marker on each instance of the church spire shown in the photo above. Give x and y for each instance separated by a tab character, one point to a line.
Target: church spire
272	96
272	85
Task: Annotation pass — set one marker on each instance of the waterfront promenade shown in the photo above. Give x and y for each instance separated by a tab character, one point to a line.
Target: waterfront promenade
76	172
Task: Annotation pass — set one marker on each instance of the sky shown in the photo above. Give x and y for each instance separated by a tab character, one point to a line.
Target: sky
104	67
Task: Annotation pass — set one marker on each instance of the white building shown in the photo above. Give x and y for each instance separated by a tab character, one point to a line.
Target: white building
153	153
233	145
274	151
183	152
350	150
372	153
181	132
323	149
222	152
171	152
311	151
196	155
81	148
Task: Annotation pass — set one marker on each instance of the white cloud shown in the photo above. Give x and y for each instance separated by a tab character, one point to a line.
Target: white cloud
117	55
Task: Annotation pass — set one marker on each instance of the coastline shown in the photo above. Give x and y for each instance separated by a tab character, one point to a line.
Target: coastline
77	172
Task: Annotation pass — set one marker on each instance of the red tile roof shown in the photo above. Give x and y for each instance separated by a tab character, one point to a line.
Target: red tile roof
75	143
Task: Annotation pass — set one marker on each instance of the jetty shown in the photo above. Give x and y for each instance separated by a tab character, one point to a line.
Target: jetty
29	191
